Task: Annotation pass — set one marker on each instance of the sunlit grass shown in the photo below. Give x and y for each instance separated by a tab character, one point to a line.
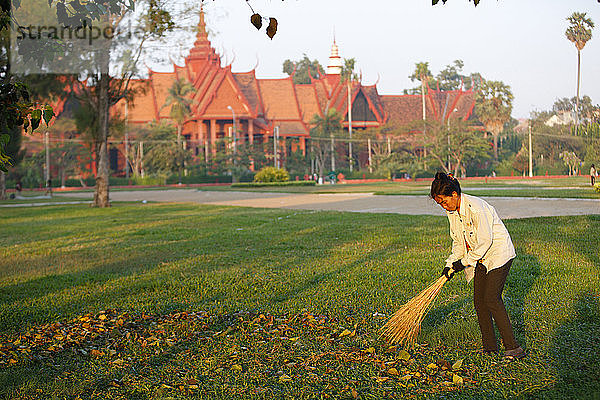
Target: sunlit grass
59	262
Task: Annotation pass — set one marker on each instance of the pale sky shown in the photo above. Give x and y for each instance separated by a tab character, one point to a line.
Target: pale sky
520	42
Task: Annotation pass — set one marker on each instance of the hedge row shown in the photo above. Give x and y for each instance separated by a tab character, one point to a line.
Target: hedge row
146	181
263	184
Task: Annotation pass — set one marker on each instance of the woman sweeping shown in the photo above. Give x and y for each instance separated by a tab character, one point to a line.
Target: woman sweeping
481	246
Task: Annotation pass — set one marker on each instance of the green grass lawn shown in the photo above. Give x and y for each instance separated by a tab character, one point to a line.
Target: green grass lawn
186	301
574	187
29	197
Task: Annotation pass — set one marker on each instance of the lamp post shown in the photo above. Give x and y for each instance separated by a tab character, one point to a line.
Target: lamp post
350	158
233	178
276	146
530	154
47	146
126	140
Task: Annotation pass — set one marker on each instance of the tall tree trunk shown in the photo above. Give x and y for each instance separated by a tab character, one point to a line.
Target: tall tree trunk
457	168
577	101
495	135
424	118
101	198
2	185
423	98
332	154
179	161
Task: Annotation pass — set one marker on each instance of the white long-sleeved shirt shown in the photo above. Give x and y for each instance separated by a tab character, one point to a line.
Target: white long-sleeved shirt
478	234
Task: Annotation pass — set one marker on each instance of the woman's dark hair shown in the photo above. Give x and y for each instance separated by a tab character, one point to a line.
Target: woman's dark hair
444	184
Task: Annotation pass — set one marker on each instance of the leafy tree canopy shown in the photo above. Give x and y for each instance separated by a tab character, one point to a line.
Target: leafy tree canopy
580	29
303	70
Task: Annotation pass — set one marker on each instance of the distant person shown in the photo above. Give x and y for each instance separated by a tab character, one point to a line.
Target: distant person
19	188
593	174
49	187
483	249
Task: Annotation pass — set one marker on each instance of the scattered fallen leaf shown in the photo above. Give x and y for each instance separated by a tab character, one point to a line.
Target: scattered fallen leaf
457	365
345	332
457	379
96	353
403	355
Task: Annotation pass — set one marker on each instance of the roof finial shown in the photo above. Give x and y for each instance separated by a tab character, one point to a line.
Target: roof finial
335	61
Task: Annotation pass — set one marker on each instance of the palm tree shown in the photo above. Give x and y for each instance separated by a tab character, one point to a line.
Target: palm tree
348	75
181	108
579	32
322	128
493	106
422	74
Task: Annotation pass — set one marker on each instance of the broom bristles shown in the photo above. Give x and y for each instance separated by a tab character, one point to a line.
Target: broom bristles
404	326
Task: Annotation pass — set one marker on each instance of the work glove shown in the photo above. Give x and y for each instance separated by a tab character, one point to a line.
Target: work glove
458	266
448	272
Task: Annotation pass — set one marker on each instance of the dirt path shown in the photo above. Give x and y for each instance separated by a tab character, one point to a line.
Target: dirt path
507	207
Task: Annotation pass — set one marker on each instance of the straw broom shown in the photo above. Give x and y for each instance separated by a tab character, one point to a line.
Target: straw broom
405	325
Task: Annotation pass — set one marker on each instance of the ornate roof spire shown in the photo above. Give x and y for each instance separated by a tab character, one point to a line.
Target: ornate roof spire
335	61
202	47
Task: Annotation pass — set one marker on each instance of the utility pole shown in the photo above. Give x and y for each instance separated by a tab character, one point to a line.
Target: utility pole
142	158
126	140
448	135
350	157
47	145
276	146
530	155
369	145
332	153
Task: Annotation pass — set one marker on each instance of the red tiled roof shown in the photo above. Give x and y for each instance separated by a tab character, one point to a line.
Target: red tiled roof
279	99
322	95
290	128
271	102
375	101
402	109
161	82
307	99
226	95
141	109
247	83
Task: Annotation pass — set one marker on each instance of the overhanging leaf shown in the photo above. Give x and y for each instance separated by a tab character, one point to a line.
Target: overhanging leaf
256	20
48	113
272	28
36	117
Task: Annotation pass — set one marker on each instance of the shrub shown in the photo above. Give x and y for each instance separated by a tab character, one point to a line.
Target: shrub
272	174
597	187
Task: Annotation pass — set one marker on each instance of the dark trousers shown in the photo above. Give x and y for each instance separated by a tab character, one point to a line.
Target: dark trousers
487	296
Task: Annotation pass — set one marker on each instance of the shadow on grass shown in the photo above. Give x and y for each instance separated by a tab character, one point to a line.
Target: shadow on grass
575	352
523	274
